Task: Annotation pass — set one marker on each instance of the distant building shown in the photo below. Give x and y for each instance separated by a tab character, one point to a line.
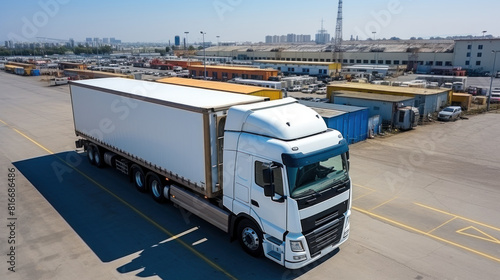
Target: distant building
105	40
476	55
177	40
289	38
322	37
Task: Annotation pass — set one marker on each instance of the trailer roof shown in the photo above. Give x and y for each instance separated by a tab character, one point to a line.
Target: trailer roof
213	85
182	97
386	89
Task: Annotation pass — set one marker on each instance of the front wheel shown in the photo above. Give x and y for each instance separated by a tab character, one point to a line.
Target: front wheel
250	238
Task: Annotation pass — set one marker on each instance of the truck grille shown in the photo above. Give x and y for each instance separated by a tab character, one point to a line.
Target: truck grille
325	228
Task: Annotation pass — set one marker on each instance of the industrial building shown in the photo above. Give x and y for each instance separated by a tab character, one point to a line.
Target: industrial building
384	105
273	94
438	53
224	73
427	100
318	69
477	55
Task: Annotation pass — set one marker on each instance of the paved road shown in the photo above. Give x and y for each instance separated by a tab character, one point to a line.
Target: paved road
425	207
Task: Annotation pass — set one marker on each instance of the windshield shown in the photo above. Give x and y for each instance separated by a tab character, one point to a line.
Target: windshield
447	110
318	176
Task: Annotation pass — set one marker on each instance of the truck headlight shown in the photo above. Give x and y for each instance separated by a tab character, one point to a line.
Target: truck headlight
296	246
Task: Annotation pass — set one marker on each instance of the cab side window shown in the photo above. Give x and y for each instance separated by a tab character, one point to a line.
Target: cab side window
278	177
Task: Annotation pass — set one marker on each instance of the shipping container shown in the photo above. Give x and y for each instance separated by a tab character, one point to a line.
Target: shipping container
353	124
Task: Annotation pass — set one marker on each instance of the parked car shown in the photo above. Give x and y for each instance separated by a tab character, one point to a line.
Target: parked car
321	91
450	113
495	97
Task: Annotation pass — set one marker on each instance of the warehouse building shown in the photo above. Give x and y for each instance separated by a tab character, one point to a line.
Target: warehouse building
317	69
224	73
427	101
385	105
273	94
393	53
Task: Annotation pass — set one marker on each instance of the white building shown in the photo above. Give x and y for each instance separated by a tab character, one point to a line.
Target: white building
476	55
319	69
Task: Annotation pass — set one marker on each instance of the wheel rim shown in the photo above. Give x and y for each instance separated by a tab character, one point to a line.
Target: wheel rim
250	238
156	188
139	179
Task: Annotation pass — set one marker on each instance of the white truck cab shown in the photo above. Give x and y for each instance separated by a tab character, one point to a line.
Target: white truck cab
302	202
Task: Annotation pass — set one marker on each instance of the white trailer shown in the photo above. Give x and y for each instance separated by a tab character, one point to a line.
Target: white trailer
269	173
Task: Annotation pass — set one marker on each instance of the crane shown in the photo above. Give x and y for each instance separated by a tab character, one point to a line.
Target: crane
338	35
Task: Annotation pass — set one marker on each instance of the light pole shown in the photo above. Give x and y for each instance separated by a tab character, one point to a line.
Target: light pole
186	45
484	32
204	57
493	74
217	45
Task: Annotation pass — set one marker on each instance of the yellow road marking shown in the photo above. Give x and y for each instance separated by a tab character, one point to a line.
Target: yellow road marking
427	234
442	224
26	136
459	217
490	238
383	203
364	187
363	195
195	252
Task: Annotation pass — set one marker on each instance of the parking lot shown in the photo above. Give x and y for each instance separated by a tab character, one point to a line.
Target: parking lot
425	206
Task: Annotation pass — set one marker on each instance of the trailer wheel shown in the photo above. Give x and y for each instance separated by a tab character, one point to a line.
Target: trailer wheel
250	238
90	154
156	187
138	177
98	156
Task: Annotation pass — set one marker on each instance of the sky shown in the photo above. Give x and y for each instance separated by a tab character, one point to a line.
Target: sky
242	20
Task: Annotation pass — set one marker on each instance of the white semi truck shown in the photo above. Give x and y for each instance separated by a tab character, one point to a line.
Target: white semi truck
268	173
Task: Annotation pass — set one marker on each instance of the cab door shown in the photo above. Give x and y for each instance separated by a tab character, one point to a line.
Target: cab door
272	214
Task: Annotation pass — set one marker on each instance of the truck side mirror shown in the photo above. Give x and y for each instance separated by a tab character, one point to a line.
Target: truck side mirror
268	178
269	190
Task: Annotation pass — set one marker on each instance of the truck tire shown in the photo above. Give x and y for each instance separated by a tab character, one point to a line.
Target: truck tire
90	154
155	185
98	156
250	237
138	178
95	155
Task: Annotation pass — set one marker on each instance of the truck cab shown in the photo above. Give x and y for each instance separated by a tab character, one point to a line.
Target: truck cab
286	182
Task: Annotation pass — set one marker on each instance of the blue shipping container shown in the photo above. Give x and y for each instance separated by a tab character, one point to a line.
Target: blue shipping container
351	121
35	72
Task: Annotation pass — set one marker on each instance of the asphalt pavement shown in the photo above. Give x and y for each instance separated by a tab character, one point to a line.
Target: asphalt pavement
425	206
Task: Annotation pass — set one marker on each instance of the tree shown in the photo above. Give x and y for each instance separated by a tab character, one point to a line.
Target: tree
167	49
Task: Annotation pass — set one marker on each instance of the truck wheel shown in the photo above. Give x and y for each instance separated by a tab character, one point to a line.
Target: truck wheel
90	154
250	238
139	178
156	187
98	156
